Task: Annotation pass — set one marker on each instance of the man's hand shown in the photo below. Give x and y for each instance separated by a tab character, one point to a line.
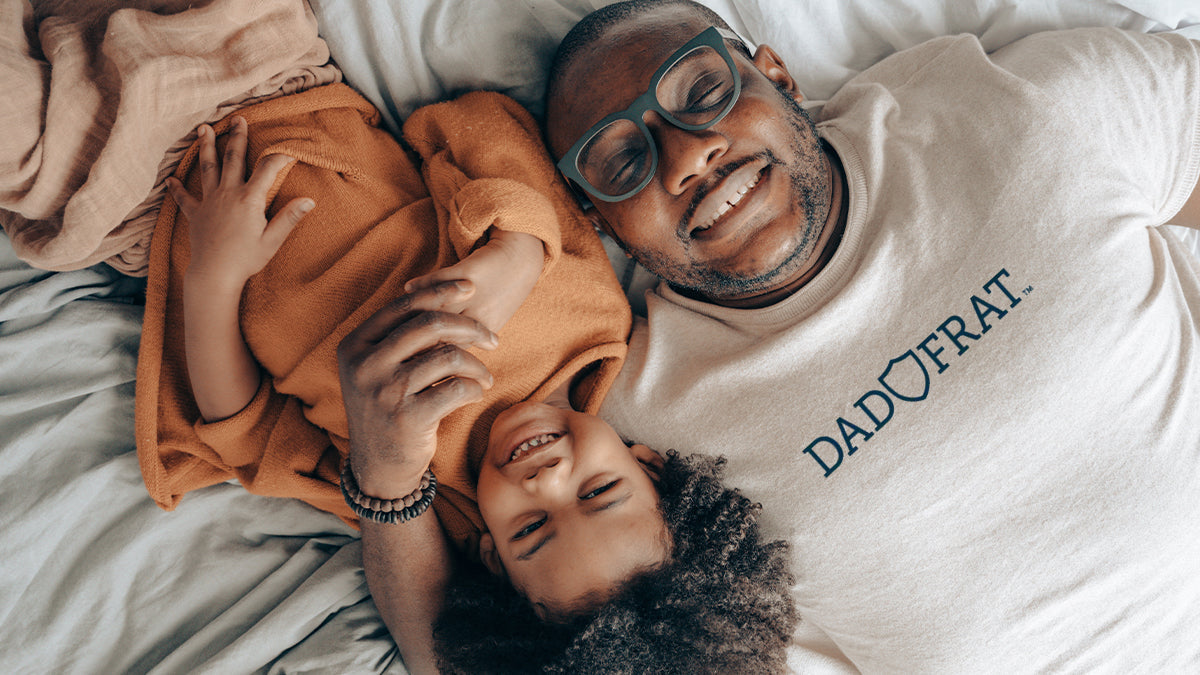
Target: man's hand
503	271
402	371
231	239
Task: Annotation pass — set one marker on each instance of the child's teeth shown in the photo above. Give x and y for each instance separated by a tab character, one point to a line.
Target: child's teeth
532	443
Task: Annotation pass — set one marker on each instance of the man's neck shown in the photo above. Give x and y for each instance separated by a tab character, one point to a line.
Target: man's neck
827	244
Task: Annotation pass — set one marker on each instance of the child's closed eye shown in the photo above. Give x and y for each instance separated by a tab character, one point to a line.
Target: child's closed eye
600	490
529	529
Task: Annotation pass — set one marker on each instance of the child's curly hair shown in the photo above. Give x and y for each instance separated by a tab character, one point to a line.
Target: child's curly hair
719	605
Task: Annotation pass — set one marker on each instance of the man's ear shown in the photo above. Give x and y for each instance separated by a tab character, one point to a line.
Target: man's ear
489	556
769	63
652	462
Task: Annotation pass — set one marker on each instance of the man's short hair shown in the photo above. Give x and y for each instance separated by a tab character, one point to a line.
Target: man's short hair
721	604
593	26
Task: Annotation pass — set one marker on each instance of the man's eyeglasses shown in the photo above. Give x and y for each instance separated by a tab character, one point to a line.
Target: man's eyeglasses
693	90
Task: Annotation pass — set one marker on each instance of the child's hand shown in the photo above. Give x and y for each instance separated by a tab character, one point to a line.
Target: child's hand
503	271
231	239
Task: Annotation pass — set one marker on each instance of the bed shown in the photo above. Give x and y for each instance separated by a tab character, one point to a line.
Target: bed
94	577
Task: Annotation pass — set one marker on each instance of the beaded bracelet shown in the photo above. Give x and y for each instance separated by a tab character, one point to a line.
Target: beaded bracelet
388	511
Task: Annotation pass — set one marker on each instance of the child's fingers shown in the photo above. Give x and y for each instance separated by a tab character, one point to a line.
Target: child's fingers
210	172
187	203
432	279
234	170
265	174
285	221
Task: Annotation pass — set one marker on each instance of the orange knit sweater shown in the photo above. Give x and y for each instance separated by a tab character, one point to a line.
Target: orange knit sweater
381	218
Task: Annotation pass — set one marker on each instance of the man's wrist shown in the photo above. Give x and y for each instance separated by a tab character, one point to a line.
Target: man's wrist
391	511
385	482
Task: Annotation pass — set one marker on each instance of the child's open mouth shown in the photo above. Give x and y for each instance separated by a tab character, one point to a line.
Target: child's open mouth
527	447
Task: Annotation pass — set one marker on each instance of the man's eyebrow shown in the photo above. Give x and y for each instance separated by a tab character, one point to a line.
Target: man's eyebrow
536	547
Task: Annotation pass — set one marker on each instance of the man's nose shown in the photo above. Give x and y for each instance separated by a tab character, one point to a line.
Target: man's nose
686	157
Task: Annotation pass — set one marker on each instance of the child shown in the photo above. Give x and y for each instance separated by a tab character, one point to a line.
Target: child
238	373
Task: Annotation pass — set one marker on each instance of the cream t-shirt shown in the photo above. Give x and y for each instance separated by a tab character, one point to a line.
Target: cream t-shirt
979	425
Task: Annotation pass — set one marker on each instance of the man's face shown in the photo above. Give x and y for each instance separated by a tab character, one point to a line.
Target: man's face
734	211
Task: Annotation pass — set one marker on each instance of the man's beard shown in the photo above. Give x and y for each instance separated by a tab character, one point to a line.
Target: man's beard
809	183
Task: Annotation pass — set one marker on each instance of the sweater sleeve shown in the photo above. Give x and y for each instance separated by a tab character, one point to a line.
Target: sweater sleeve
274	450
485	164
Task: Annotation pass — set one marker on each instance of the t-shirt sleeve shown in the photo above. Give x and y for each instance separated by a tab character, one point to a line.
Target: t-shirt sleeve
485	165
1134	98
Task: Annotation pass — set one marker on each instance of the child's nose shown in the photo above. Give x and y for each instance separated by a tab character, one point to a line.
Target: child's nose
548	476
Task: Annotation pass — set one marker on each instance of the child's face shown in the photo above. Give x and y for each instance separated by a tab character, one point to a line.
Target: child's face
573	517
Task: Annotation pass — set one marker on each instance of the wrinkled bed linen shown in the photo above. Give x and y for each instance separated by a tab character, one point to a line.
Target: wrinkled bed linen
100	104
94	577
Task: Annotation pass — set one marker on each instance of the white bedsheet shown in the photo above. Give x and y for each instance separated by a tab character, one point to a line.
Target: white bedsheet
404	53
94	577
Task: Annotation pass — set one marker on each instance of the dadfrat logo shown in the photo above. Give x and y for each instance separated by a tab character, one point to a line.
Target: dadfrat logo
908	377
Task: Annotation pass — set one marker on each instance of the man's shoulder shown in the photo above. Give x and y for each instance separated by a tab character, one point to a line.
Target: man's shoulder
903	66
1044	58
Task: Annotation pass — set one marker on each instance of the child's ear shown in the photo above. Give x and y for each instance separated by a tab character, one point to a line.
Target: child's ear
601	225
598	221
489	556
652	462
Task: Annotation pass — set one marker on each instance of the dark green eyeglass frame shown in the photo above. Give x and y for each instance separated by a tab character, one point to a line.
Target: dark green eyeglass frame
711	37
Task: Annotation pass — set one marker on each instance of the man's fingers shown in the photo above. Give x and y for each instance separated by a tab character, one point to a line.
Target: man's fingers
449	395
442	362
265	174
210	172
285	221
381	324
424	331
187	203
234	170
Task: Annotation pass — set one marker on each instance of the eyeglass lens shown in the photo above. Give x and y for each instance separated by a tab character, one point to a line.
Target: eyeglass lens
692	93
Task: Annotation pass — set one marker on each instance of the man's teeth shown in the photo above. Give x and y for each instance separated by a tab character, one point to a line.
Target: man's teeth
730	203
530	444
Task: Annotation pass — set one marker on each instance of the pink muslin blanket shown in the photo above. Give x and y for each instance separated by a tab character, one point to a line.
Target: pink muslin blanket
100	100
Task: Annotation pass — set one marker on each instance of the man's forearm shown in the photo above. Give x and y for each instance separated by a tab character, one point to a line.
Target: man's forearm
408	566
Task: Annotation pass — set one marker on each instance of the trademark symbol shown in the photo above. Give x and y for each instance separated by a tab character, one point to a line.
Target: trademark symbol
1027	290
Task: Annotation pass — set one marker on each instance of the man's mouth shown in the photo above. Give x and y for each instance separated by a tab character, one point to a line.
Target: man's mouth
529	445
717	204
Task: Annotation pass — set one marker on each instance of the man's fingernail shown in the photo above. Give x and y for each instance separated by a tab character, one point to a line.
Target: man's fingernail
307	205
462	286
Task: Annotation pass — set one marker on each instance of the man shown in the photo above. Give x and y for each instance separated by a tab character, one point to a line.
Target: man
938	334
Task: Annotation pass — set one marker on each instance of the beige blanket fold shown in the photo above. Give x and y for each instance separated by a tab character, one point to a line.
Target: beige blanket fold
101	99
